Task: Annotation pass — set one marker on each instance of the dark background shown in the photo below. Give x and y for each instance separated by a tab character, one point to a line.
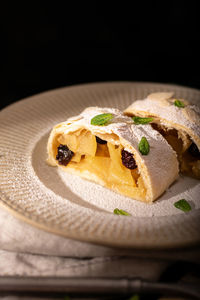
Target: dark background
46	46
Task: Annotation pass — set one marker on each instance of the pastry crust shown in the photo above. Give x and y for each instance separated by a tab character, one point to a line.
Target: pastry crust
158	169
185	120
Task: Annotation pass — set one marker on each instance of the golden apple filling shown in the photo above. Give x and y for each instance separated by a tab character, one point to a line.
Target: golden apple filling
187	152
101	162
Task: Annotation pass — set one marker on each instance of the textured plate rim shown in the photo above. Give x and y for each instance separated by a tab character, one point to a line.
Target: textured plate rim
70	234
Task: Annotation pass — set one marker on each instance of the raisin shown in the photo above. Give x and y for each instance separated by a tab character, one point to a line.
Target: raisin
128	160
64	155
100	141
194	151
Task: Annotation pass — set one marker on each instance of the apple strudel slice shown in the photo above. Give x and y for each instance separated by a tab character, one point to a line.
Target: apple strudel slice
179	123
104	146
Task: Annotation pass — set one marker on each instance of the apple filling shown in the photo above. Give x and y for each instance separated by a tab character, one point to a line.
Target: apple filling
95	159
187	151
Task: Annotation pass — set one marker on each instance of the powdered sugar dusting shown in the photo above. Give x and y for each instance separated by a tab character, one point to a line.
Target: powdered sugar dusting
88	194
105	199
150	166
45	197
187	118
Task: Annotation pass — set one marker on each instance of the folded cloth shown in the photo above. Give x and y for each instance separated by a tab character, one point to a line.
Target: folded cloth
59	256
23	264
29	251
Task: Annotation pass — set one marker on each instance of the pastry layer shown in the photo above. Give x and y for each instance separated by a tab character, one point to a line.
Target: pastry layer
102	163
179	125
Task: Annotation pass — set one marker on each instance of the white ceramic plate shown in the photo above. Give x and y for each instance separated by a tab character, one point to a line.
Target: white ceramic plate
70	206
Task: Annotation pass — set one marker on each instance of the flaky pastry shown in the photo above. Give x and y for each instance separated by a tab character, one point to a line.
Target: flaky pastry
111	154
179	123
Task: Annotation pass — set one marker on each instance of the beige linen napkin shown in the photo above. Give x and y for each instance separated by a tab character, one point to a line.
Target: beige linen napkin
59	256
29	251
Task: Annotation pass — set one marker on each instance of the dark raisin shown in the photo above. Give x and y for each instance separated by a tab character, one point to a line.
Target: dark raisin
128	160
194	151
100	141
64	155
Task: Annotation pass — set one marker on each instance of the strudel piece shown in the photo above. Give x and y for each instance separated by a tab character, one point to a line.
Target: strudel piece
104	146
179	123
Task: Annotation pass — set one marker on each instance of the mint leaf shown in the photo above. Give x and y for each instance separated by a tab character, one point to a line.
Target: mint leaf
118	211
179	103
183	205
101	120
139	120
143	146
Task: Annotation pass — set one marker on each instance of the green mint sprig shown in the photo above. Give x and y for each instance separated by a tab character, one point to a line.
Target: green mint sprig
179	103
183	205
143	146
118	211
101	120
139	120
